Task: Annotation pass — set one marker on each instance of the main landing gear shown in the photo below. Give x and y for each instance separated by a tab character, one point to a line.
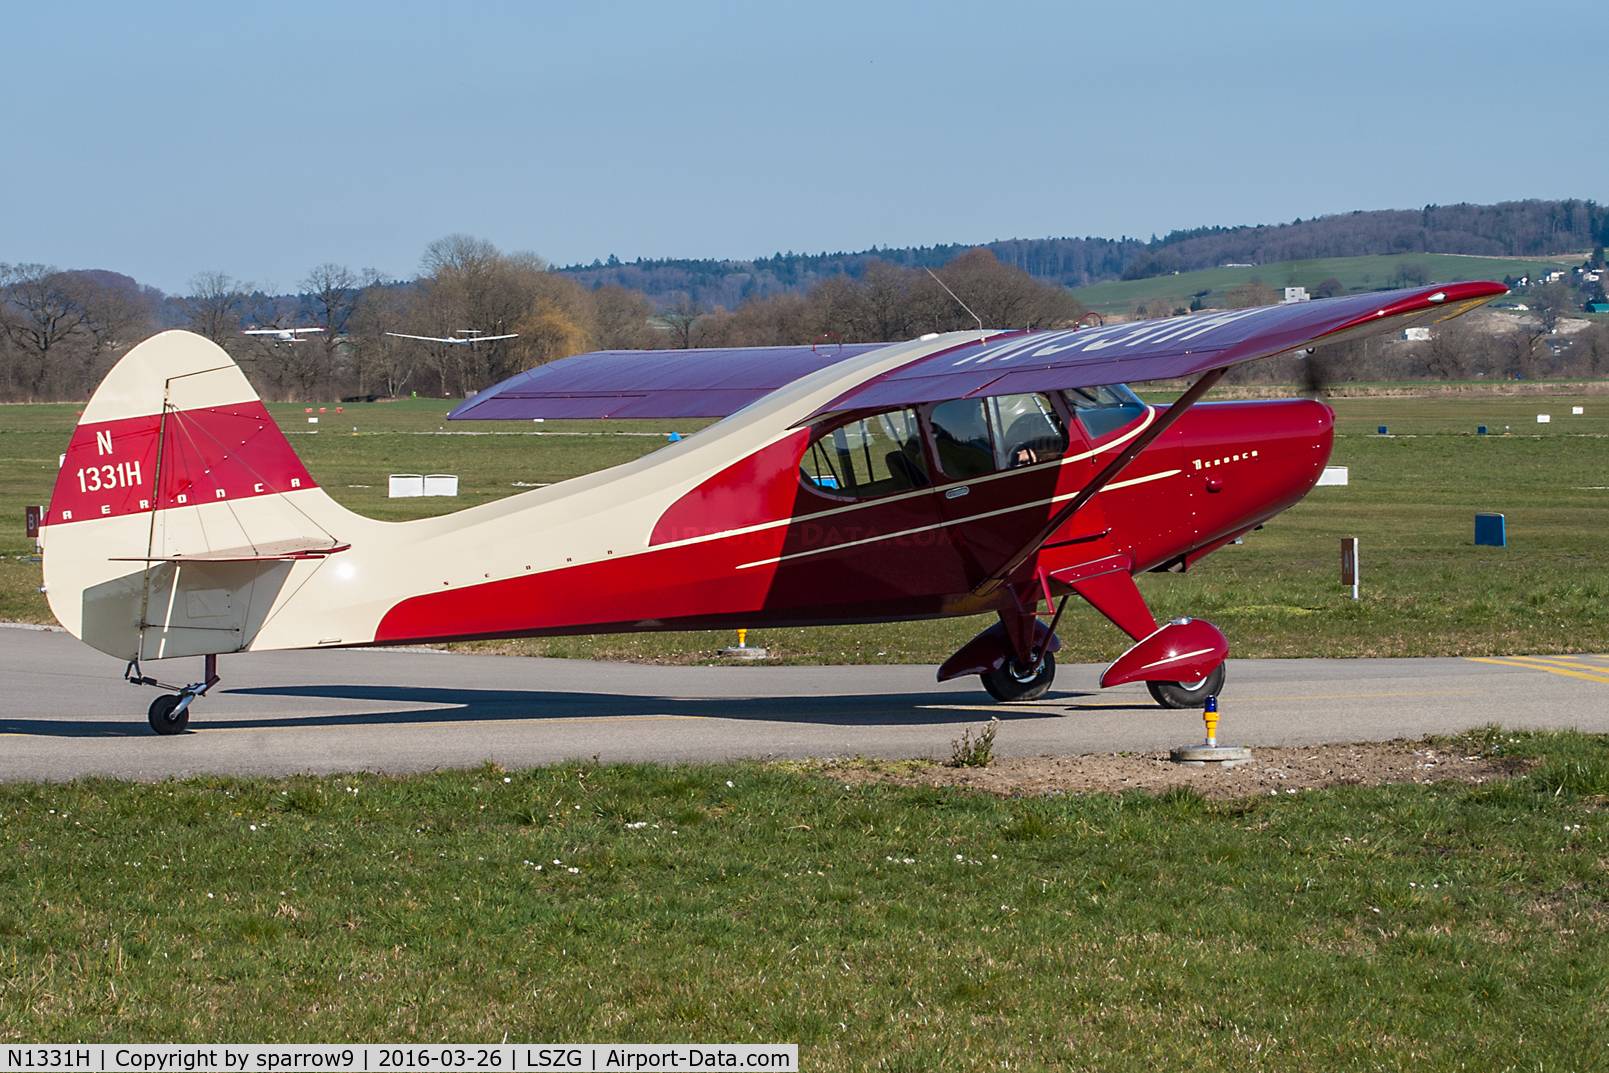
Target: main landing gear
1010	681
1188	694
170	713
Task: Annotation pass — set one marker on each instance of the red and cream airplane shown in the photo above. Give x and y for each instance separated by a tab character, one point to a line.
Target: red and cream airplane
949	475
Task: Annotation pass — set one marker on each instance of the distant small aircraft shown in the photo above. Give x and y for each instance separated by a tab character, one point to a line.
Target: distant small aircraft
281	335
467	337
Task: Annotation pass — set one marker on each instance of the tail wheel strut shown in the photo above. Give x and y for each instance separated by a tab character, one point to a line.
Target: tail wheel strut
170	713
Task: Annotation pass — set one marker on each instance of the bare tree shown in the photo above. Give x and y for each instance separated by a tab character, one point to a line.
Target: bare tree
622	320
381	363
40	310
681	322
331	295
1593	348
1446	356
118	313
1551	300
469	284
214	307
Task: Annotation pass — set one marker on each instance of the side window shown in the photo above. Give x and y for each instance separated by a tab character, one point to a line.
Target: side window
961	437
1103	410
978	436
871	456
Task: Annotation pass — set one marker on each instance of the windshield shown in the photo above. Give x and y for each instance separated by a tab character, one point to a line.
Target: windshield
1103	410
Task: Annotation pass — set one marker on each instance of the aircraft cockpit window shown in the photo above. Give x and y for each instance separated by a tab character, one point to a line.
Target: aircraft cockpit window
871	456
1103	410
1026	430
978	436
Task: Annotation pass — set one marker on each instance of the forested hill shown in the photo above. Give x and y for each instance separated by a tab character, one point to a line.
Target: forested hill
1511	228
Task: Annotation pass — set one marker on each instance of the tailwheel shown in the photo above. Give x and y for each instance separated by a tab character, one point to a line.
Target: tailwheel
167	715
1188	694
1011	682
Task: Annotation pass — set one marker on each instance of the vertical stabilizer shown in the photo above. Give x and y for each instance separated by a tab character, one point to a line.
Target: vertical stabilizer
180	510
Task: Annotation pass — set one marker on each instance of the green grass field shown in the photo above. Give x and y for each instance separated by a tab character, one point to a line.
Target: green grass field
1427	589
1355	273
1406	927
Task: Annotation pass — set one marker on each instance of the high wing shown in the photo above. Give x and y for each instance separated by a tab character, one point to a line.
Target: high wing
457	340
718	382
276	331
652	383
1154	349
423	338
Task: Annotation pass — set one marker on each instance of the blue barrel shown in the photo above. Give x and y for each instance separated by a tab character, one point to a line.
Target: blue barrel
1480	431
1490	529
1382	430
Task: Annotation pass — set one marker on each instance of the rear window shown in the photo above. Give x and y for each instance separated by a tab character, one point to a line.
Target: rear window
871	456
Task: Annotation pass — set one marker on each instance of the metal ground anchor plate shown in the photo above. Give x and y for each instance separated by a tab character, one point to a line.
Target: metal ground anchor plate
1210	755
743	653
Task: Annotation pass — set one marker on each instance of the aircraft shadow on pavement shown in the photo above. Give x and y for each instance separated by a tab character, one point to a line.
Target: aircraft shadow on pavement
537	706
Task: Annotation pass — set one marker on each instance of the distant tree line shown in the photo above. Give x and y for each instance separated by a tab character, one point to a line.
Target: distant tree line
885	302
1509	229
60	331
1535	334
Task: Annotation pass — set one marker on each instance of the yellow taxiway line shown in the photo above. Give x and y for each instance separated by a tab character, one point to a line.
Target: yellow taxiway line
1530	663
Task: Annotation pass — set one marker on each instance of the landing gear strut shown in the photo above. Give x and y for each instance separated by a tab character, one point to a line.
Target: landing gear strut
170	714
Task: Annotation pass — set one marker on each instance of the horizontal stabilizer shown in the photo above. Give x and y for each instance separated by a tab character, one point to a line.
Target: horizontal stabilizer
264	553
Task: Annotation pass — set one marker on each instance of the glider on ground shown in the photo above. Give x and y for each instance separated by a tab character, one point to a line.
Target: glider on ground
950	475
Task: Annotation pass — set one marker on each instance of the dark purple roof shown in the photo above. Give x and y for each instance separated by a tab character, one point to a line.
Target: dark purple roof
652	383
1154	349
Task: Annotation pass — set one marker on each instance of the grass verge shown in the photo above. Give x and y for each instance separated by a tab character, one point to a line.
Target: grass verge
1437	927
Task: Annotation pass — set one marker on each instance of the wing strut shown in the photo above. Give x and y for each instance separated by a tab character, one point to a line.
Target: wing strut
1102	479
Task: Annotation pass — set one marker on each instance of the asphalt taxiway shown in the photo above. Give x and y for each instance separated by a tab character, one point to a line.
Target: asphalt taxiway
69	714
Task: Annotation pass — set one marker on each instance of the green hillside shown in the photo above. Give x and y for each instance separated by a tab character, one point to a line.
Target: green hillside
1355	273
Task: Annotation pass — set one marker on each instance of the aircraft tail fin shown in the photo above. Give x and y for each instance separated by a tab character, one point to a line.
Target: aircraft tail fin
180	508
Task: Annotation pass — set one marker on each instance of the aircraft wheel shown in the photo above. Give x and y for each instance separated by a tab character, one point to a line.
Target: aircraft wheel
163	719
1188	694
1010	682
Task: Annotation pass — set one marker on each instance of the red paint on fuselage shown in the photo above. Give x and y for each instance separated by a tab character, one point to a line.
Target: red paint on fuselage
799	556
1265	456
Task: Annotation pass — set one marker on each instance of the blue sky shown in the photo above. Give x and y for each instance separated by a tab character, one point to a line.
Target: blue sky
166	139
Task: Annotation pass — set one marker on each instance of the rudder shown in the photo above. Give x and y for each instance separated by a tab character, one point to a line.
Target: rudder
174	523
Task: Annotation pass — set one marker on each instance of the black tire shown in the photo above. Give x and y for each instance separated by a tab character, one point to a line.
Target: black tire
1010	683
1188	694
163	719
